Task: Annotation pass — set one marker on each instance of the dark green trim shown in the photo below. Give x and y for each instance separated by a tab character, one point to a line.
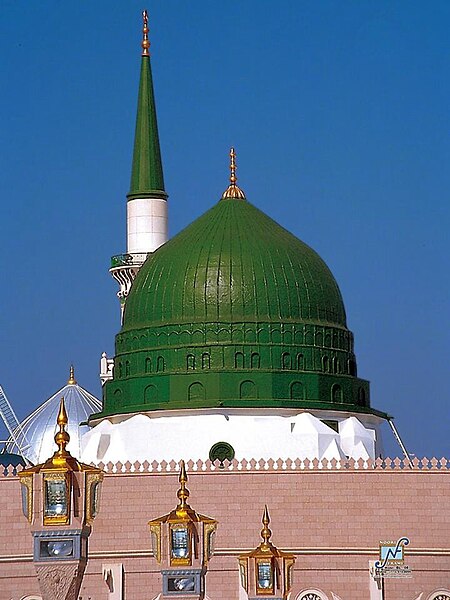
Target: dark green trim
148	194
309	405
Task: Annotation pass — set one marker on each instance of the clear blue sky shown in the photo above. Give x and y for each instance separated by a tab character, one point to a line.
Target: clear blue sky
339	112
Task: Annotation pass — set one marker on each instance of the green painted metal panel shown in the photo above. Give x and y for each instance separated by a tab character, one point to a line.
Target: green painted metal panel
234	264
146	174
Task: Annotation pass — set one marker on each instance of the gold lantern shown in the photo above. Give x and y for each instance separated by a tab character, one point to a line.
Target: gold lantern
266	572
60	499
183	543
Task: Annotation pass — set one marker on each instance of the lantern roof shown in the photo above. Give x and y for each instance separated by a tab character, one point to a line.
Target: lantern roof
266	548
183	512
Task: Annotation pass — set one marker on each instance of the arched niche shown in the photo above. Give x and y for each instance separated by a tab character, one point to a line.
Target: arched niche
197	337
361	396
190	362
248	390
206	360
297	391
117	397
196	392
337	395
160	364
150	394
286	361
255	360
239	360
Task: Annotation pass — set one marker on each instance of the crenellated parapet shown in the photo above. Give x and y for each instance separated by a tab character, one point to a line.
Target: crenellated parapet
389	465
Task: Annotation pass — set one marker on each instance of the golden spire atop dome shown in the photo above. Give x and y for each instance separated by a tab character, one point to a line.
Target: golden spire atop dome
233	190
145	41
71	380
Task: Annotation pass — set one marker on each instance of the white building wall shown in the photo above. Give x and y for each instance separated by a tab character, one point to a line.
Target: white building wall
144	437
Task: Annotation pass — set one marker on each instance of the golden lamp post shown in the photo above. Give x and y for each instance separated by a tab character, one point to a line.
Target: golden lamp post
183	543
60	499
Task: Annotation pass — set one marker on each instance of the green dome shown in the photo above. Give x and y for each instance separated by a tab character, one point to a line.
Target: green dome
232	264
234	312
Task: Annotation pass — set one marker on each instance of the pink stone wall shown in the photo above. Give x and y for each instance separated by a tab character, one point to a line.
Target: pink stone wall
332	519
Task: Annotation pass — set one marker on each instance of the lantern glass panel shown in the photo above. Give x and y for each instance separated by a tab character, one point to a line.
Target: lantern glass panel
154	544
95	498
60	548
210	543
264	575
181	584
25	507
243	574
55	498
180	542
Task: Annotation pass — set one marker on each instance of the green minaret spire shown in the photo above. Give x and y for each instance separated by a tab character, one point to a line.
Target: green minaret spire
147	178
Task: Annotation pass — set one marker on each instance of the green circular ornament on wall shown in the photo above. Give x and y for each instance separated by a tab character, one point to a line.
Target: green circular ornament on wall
221	451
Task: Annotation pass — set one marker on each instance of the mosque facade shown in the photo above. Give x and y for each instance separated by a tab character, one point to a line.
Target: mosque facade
234	363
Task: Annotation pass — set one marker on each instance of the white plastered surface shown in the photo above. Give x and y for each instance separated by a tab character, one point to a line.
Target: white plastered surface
190	437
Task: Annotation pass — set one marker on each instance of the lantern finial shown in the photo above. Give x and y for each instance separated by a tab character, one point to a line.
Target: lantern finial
183	492
62	438
265	531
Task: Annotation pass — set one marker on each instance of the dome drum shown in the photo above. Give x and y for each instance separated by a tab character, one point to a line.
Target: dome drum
240	388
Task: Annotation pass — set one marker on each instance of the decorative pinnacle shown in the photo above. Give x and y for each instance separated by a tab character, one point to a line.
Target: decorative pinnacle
62	438
71	380
233	190
265	531
145	41
183	492
233	178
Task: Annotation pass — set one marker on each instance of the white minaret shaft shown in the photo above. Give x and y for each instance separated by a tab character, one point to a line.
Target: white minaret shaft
146	224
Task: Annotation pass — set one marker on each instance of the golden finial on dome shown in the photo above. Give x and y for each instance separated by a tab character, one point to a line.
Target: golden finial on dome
62	438
233	190
265	531
71	380
145	41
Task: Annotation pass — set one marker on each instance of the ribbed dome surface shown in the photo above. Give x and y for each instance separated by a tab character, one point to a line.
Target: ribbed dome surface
232	264
40	426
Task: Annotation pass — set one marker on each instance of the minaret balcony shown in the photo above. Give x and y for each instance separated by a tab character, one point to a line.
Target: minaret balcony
128	260
124	268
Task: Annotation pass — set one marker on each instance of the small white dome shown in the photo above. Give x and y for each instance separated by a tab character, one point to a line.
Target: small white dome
40	427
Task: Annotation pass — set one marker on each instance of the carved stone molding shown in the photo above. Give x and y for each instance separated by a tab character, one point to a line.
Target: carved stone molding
60	582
